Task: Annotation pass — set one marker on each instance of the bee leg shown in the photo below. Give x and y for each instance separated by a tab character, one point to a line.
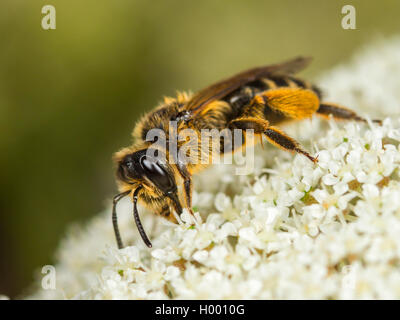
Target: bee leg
187	185
294	103
137	218
274	135
280	139
339	113
175	203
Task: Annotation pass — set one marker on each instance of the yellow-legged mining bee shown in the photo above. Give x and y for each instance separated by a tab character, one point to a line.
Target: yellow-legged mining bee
258	99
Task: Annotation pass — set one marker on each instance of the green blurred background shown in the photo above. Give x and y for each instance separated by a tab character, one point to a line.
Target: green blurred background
69	97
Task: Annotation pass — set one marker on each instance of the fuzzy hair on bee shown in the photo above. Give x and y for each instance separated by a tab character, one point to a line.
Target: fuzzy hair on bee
259	99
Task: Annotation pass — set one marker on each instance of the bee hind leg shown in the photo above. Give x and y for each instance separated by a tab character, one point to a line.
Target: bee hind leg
273	134
340	113
280	139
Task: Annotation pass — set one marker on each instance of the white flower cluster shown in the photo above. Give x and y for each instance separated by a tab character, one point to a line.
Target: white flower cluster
291	230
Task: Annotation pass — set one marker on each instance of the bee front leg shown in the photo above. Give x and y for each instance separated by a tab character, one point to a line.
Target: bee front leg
187	185
187	182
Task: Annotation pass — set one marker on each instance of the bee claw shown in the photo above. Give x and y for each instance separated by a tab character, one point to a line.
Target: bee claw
315	160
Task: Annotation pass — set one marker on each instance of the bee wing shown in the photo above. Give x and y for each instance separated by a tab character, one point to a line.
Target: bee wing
221	89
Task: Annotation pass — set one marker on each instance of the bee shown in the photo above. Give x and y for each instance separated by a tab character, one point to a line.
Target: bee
259	99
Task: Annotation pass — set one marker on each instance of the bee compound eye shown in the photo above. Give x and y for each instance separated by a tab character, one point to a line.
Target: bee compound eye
151	166
157	174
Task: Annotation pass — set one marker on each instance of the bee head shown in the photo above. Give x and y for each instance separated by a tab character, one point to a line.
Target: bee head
145	167
143	173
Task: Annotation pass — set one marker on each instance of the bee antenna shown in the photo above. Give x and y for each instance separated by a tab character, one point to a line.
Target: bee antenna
137	218
114	217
